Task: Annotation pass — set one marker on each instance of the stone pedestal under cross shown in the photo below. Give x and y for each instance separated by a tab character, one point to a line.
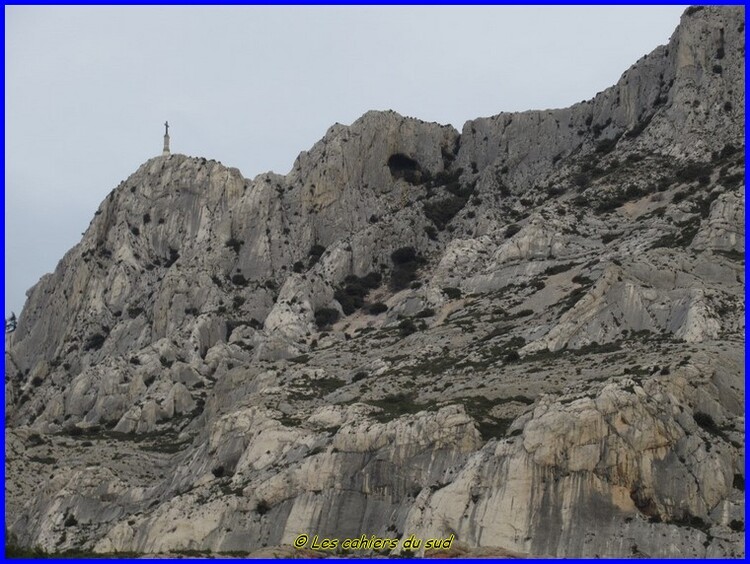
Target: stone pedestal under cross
165	152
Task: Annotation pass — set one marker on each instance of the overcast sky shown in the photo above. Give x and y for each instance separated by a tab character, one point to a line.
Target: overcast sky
87	89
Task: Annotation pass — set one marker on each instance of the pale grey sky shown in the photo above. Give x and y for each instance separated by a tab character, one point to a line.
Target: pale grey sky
87	89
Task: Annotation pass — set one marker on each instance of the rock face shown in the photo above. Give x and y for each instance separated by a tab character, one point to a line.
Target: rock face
528	335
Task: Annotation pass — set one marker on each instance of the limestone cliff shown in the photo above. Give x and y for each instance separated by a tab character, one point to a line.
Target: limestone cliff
528	335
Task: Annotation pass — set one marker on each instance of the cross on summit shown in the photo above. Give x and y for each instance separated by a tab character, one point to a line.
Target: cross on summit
165	151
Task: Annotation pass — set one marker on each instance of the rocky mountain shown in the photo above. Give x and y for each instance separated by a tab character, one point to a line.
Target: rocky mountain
528	334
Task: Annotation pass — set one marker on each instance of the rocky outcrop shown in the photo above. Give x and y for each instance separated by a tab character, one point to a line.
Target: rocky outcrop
596	473
528	336
725	228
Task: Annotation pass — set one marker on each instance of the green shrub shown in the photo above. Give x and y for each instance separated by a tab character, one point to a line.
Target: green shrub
405	265
407	327
581	180
682	237
239	280
692	171
573	298
706	422
173	256
441	212
134	312
558	268
349	302
351	295
512	356
431	232
493	428
371	280
94	342
377	308
607	145
581	279
316	251
679	196
396	405
324	386
361	375
611	236
638	128
739	482
234	244
728	150
452	293
354	287
326	316
579	201
404	255
597	128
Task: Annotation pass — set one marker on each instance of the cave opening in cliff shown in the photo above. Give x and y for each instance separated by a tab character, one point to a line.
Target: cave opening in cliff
405	167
